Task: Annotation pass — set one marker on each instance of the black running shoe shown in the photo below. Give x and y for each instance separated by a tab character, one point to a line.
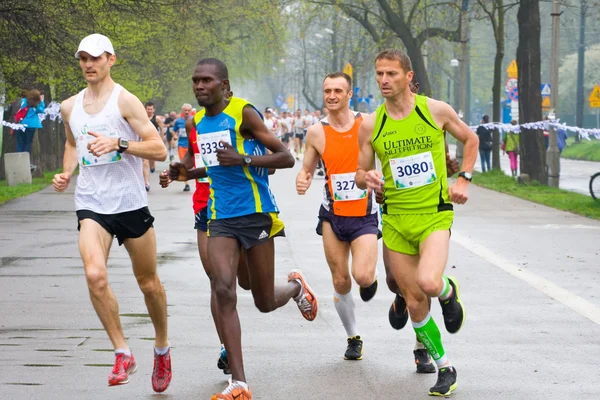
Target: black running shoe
398	314
452	308
446	382
354	350
423	361
367	293
223	362
320	172
186	188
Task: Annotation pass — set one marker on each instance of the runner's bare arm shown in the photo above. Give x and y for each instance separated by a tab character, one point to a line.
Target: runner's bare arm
189	158
446	118
61	181
311	158
252	124
366	174
151	147
70	157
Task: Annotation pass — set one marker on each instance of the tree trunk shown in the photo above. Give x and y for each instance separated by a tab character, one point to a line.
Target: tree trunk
497	88
418	63
532	152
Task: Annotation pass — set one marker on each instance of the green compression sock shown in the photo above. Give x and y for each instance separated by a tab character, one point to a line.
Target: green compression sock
429	334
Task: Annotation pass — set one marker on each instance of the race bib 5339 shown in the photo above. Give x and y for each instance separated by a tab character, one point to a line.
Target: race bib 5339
208	144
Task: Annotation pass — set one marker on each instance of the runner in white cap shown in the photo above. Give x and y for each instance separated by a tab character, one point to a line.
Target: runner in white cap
108	136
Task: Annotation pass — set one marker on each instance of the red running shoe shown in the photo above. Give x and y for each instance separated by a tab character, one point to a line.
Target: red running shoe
124	366
161	376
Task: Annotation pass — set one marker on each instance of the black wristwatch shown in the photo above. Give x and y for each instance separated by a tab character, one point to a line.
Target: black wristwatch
247	160
123	144
467	175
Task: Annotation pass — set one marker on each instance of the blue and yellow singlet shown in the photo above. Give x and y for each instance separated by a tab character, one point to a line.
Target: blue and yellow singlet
235	191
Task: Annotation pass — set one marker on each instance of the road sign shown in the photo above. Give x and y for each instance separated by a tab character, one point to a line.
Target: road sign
545	89
545	103
514	110
511	83
594	98
513	94
512	69
348	69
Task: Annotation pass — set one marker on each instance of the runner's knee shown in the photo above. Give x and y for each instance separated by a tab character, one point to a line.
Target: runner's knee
265	304
342	284
96	279
225	292
364	278
391	282
429	284
150	285
244	283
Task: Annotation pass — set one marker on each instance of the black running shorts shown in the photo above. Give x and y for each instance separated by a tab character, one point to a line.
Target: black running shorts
125	225
250	230
348	229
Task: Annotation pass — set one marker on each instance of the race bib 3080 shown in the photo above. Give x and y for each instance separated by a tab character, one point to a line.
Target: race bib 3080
413	171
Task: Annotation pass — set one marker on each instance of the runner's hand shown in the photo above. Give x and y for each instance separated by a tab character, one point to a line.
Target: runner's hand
451	165
102	144
178	172
61	181
303	182
459	192
228	156
164	180
374	181
379	196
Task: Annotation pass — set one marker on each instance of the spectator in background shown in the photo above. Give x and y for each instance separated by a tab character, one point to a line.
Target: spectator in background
510	145
546	133
32	105
562	139
485	144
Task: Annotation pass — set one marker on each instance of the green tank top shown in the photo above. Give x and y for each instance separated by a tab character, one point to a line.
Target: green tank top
413	158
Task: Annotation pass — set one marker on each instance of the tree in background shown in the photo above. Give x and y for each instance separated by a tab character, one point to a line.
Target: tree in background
414	23
532	150
158	42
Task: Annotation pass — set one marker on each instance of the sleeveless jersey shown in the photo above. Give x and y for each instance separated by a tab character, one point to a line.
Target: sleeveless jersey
340	155
413	159
153	120
114	182
237	190
200	197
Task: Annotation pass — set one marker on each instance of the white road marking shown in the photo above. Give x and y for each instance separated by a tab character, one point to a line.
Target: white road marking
571	300
556	226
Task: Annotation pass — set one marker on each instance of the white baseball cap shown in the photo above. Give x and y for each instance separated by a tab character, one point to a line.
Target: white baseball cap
95	44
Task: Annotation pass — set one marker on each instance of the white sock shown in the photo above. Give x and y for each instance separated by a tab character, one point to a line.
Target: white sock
446	291
344	305
240	383
161	351
127	352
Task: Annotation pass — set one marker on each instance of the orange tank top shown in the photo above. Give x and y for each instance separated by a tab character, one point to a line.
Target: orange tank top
341	196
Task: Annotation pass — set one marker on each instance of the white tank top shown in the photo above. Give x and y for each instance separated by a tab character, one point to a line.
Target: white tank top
113	183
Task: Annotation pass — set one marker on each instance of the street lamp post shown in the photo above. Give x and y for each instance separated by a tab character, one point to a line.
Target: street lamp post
454	63
553	154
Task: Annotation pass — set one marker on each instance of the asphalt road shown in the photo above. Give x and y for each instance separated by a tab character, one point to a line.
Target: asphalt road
530	280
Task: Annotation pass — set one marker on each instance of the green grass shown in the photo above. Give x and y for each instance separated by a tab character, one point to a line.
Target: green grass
548	196
585	150
8	193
